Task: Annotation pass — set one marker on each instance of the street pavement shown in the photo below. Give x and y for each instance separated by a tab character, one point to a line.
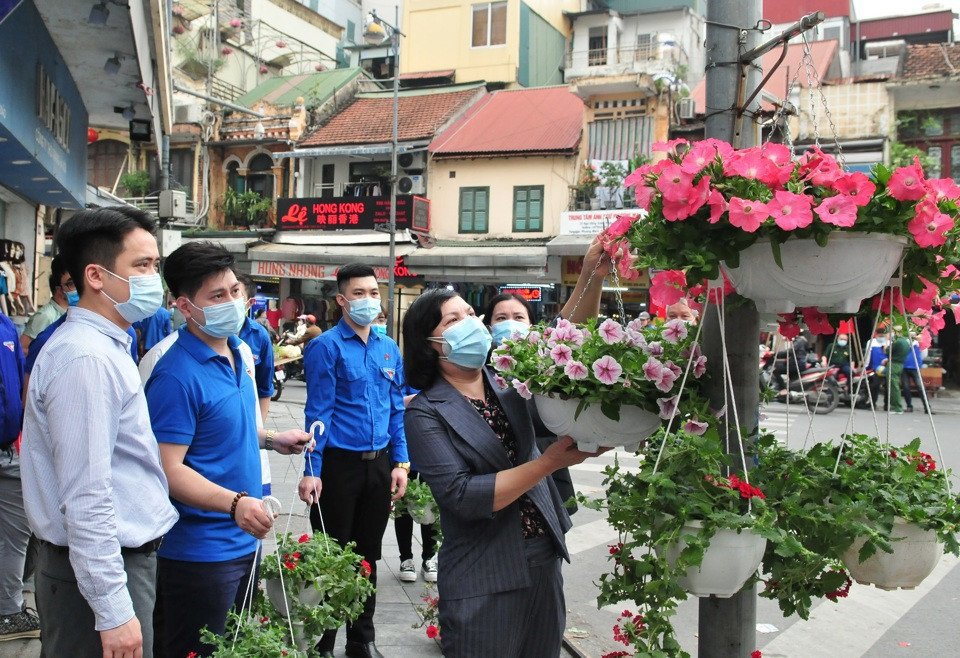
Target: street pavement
870	622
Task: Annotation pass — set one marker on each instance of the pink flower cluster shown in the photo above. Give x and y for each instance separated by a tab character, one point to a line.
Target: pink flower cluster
929	225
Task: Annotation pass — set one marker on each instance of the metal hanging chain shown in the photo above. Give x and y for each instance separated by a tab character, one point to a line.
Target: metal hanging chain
784	126
583	292
618	293
812	77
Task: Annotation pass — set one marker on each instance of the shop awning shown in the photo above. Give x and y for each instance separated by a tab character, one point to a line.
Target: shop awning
569	245
491	263
328	254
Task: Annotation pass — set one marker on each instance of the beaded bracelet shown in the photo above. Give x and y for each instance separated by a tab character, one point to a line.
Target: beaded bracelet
233	505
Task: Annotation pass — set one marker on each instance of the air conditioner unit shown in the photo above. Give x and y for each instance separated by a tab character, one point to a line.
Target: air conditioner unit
411	185
687	108
416	161
188	113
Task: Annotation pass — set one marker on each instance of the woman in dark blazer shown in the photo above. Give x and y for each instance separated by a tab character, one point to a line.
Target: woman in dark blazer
503	522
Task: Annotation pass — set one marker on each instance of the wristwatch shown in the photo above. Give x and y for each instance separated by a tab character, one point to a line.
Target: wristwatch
268	442
404	465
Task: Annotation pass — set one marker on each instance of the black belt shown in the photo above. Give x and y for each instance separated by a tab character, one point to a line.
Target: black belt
150	547
368	456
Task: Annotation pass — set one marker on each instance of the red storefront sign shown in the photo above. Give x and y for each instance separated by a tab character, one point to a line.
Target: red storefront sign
361	213
531	294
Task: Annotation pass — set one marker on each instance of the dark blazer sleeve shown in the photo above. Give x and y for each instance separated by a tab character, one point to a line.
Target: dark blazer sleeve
457	490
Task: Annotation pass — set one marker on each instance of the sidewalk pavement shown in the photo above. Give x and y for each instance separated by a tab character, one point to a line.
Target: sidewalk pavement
396	601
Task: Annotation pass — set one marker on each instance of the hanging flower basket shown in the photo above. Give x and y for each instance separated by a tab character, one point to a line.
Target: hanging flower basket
306	594
593	430
728	562
915	554
836	277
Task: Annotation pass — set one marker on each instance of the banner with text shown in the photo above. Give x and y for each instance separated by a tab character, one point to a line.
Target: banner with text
591	222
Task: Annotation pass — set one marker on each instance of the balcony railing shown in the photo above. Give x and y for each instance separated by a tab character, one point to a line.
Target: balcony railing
624	56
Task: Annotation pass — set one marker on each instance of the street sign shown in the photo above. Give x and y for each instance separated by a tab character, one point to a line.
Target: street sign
353	212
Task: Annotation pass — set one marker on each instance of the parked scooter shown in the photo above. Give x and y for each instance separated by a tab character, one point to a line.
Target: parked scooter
815	384
870	383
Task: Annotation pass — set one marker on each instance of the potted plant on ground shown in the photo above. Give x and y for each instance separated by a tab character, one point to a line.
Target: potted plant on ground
252	633
790	232
688	524
602	383
611	177
320	584
587	185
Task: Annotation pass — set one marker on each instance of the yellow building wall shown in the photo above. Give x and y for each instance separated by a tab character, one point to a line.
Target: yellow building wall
555	173
438	37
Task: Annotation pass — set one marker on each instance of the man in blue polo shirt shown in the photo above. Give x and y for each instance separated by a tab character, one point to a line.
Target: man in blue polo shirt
203	414
258	339
355	387
153	329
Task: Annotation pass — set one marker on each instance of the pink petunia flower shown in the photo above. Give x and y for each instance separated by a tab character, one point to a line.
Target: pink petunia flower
718	206
667	287
930	231
501	382
575	370
503	362
791	211
644	196
654	349
523	388
675	331
675	184
698	157
669	146
621	226
694	426
700	195
634	338
943	188
610	332
652	369
907	183
668	406
838	210
747	214
699	366
561	355
750	163
676	211
607	370
857	186
534	337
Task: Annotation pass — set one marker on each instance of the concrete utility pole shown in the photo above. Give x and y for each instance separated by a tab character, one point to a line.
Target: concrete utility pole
727	627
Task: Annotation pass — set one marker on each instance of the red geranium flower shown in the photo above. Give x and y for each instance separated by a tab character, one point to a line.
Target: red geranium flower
365	569
303	539
756	654
432	631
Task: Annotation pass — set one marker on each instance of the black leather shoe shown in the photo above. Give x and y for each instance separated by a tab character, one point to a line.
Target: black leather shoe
363	650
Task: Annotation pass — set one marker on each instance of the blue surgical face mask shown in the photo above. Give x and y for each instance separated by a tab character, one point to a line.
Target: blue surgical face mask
364	310
222	320
146	296
379	329
841	343
507	328
73	297
466	343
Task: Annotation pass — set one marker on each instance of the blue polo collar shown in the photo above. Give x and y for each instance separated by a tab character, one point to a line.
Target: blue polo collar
199	350
347	332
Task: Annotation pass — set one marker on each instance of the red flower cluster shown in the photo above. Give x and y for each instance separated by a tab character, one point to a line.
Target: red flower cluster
365	569
840	593
433	631
925	463
303	539
746	489
616	654
631	624
290	560
616	548
756	654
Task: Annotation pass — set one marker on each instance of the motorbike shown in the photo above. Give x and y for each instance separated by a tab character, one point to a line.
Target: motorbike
815	384
871	382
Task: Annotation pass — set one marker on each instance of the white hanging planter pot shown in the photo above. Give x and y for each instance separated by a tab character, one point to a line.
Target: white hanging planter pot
835	278
306	593
424	517
915	554
593	430
729	561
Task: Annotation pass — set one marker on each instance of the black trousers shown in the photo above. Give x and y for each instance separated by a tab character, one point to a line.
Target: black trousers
355	502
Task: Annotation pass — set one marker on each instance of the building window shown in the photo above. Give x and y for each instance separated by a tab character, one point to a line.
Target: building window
528	208
955	163
489	24
260	175
234	180
646	47
474	209
935	153
106	160
597	47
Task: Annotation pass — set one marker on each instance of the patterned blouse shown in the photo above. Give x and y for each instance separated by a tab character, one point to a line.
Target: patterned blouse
531	518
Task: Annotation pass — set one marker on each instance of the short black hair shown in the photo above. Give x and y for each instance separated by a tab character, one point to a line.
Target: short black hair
57	270
96	236
506	297
353	271
421	363
189	266
248	284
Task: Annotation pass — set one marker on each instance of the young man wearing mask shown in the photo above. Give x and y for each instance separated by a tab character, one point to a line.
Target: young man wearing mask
61	288
355	388
839	354
95	494
204	414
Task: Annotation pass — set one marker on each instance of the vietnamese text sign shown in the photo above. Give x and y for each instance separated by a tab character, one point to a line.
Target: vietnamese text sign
571	266
322	271
351	212
591	222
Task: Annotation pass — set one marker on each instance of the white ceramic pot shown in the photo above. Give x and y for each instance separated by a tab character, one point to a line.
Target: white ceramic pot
835	278
307	594
729	561
915	554
426	518
592	429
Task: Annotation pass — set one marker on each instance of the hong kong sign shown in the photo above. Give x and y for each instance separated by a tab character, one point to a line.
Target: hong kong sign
363	213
